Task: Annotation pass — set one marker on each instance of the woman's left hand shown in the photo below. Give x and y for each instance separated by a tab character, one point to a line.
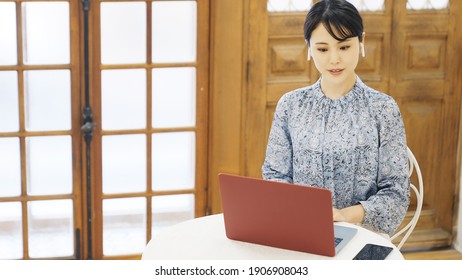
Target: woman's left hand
352	214
338	215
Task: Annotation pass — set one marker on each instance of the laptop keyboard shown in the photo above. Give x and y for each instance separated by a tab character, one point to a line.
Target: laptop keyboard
338	240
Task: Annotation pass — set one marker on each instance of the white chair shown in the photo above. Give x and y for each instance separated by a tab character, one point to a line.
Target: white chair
419	195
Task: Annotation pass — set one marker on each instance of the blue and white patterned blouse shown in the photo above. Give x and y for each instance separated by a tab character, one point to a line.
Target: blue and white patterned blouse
354	146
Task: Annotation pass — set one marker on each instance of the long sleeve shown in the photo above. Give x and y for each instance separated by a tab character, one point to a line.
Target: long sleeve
386	209
278	161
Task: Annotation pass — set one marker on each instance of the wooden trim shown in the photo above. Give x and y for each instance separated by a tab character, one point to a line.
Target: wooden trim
149	1
20	1
148	122
76	135
83	158
226	82
23	67
22	128
149	131
148	194
25	228
96	145
27	198
202	106
254	115
148	65
23	132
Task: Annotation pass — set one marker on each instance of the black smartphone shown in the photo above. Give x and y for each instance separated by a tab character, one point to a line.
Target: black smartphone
373	252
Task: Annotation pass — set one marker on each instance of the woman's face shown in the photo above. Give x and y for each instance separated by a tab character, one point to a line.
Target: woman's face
335	60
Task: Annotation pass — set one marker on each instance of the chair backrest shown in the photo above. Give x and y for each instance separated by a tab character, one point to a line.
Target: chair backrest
419	195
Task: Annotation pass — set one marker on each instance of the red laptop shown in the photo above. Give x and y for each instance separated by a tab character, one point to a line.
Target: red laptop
282	215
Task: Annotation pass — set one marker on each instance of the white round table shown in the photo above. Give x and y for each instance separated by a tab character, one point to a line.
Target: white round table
205	239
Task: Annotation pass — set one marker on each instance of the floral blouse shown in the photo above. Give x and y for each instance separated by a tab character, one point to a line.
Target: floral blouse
354	146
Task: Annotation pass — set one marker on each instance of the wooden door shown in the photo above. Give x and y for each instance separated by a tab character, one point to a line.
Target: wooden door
410	55
423	82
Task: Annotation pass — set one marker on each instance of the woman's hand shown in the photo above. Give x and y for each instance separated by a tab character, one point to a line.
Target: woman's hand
338	215
352	214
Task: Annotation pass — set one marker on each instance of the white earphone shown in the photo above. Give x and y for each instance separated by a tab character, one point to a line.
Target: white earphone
309	51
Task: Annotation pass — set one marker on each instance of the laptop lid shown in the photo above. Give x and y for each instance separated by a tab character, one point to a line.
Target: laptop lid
278	214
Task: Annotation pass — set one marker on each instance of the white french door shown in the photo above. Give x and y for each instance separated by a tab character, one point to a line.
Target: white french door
39	147
148	87
151	64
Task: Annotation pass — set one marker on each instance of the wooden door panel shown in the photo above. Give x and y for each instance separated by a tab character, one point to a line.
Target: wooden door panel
422	70
287	68
287	59
286	24
423	118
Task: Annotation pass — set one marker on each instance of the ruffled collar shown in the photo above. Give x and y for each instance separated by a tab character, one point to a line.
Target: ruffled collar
355	92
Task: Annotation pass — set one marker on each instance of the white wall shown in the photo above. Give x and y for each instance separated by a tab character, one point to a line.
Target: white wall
458	243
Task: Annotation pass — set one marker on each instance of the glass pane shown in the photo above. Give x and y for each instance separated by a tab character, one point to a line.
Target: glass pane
10	231
174	97
369	5
174	31
173	160
49	165
48	100
46	32
8	44
9	108
10	167
288	5
124	163
427	4
124	99
168	210
51	228
124	226
305	5
123	33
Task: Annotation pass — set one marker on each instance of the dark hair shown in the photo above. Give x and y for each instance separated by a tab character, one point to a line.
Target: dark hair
339	17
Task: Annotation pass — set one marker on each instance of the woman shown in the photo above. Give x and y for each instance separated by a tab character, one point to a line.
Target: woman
338	133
